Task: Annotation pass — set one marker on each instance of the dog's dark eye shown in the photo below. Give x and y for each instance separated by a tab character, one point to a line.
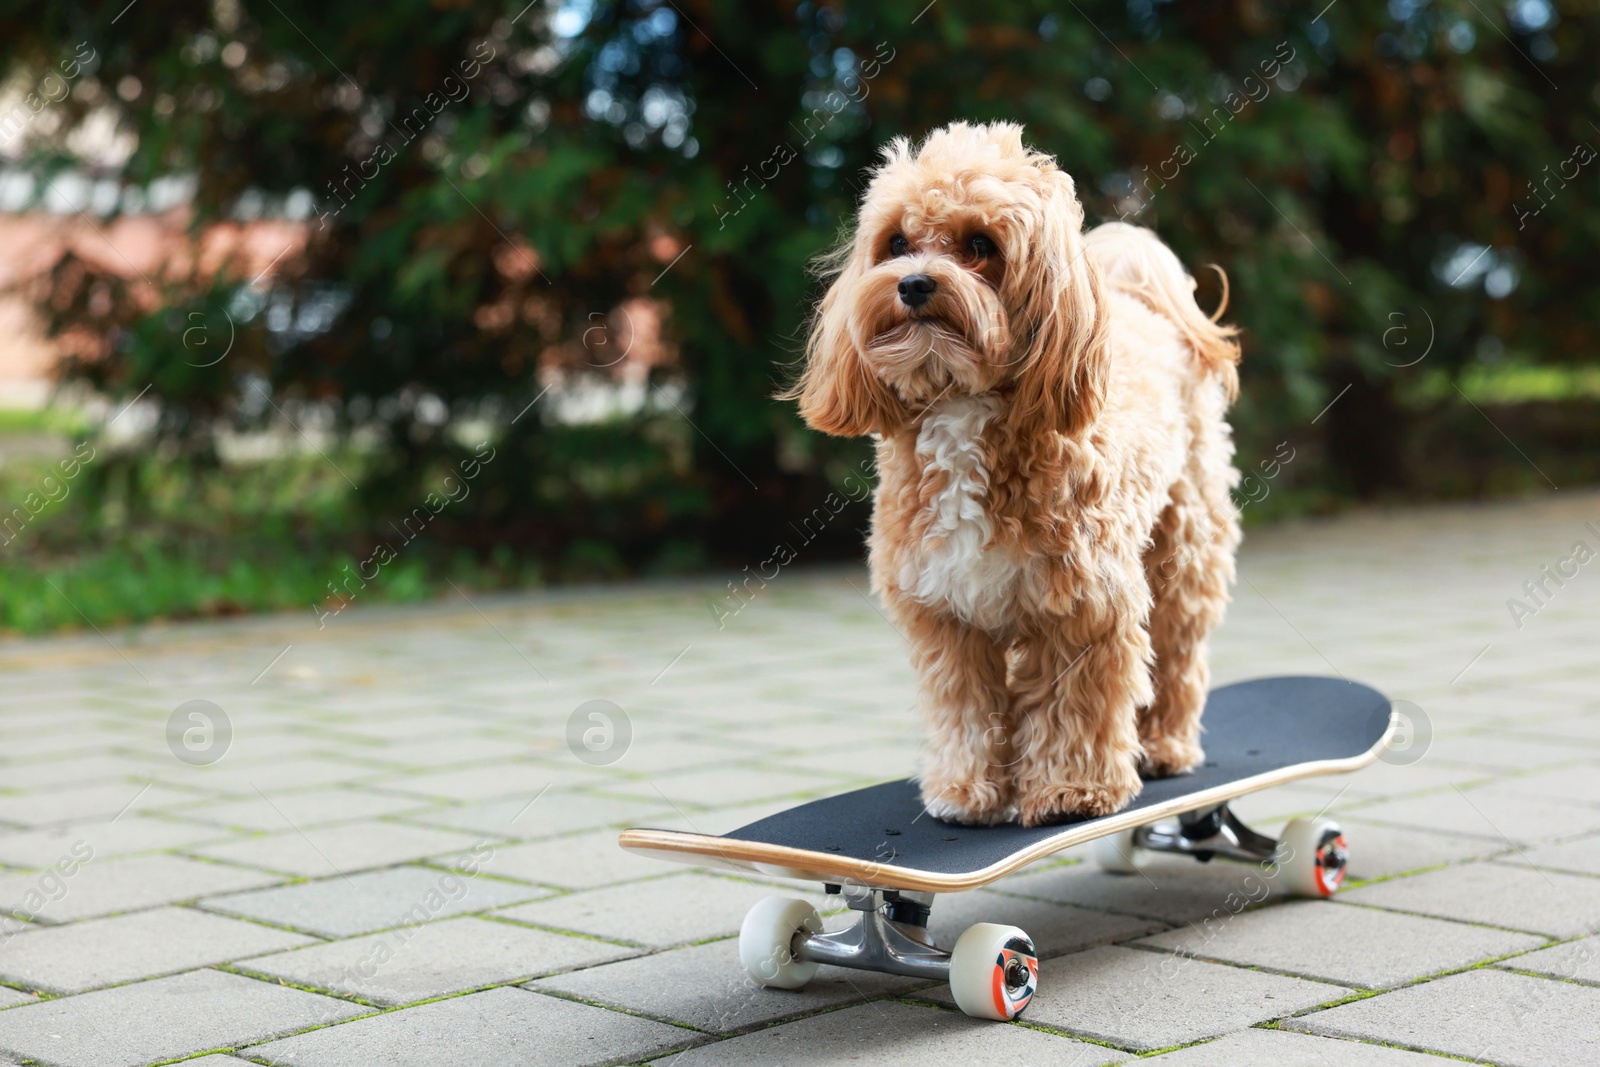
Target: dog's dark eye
898	245
981	246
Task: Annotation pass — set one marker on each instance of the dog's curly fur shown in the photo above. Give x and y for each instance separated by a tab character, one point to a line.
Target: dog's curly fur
1053	529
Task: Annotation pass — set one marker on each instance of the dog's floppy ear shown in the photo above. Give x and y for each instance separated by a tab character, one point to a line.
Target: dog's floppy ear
1062	355
838	394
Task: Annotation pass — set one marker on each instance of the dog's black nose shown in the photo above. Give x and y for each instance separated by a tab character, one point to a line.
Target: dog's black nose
915	289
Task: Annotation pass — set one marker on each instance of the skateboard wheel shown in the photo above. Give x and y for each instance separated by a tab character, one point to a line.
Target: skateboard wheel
1117	854
1311	857
994	971
767	940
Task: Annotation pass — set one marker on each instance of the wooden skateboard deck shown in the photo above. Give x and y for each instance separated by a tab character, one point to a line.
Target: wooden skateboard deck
1258	734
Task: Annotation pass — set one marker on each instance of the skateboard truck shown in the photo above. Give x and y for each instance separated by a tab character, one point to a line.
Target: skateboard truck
1310	857
993	970
1208	833
891	936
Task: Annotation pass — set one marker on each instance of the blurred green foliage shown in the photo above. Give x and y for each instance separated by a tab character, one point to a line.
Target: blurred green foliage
1365	174
132	539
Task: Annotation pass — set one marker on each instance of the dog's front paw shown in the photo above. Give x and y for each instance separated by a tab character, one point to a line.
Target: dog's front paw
1164	757
1048	802
972	801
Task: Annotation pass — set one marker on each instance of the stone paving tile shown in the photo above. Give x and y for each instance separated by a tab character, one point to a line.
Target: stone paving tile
1581	856
53	773
434	752
1149	1000
1485	1015
1285	1048
279	810
131	833
673	910
488	1029
651	755
86	802
1576	961
24	744
118	885
1383	779
1576	784
706	987
1498	751
1493	811
380	734
1583	728
415	963
84	955
559	811
581	861
1538	901
894	1035
870	763
1378	851
1340	943
133	1025
783	730
244	779
487	782
10	998
339	849
730	783
372	900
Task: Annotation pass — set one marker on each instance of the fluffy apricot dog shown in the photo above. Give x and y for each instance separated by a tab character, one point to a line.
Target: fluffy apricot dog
1053	529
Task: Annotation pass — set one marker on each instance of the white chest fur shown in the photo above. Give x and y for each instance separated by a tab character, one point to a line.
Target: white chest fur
950	565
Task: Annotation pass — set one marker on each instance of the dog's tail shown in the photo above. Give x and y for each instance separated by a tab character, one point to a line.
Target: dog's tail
1134	260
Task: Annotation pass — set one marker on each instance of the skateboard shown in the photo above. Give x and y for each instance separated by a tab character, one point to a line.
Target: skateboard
880	851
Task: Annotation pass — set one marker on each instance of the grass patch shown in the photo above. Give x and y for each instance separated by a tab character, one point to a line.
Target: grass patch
24	422
1512	383
133	540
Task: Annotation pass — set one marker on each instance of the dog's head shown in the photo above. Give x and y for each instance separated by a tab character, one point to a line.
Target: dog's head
966	275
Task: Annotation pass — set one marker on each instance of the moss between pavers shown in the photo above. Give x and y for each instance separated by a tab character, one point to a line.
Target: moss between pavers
1447	918
270	979
1380	1044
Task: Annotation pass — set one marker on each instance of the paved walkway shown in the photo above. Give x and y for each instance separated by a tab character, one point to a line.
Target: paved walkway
398	859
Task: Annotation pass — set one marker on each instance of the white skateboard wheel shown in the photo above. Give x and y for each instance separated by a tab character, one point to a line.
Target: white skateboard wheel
1311	857
766	942
1117	854
994	971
